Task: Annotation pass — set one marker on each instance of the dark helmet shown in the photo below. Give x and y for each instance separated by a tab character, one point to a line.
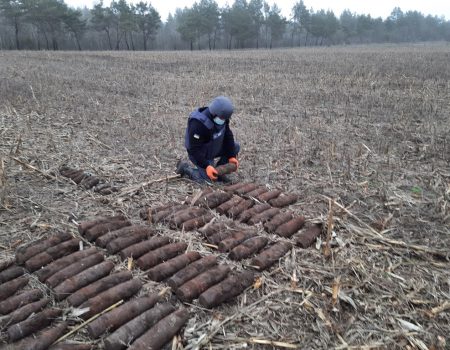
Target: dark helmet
222	107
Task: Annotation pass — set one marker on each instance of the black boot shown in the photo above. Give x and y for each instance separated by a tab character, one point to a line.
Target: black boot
185	169
182	167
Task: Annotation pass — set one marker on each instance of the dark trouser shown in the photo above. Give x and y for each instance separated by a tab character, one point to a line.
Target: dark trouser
199	174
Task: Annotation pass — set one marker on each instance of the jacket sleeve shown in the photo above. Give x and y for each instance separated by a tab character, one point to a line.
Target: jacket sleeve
198	136
228	142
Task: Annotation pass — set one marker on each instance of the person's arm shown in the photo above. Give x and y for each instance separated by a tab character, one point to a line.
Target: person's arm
198	136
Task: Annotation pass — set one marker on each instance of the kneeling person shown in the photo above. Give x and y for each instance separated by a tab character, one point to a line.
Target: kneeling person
208	136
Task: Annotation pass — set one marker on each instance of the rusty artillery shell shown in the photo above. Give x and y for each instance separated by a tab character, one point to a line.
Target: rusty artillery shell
123	242
6	262
232	188
77	179
42	340
307	238
225	206
67	260
9	288
290	227
216	227
71	172
52	253
101	229
89	182
235	239
248	248
246	189
121	315
240	208
22	313
164	214
17	301
127	231
227	289
85	179
283	200
161	254
257	191
196	286
147	212
277	220
10	273
160	208
267	196
137	250
137	326
74	173
193	269
33	324
177	220
63	248
193	200
271	255
107	298
166	269
86	225
91	290
83	279
226	169
66	170
34	248
264	216
197	222
162	332
130	331
73	269
70	346
256	209
214	199
220	236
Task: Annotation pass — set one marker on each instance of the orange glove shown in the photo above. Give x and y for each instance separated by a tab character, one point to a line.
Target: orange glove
211	172
234	161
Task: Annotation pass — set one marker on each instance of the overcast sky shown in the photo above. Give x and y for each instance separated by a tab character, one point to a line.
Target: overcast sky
379	8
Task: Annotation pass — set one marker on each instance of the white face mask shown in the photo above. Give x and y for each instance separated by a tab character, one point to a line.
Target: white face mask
219	121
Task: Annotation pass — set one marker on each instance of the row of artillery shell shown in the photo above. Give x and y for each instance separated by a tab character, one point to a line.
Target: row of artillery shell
86	180
178	216
212	284
80	177
245	244
22	314
275	198
142	322
190	276
44	338
85	278
245	211
83	275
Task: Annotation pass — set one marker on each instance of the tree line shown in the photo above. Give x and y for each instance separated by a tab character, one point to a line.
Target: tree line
53	25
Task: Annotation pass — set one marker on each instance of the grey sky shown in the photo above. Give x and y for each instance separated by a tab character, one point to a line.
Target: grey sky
379	8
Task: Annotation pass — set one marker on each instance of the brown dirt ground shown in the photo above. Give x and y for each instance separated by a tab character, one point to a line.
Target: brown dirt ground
366	126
